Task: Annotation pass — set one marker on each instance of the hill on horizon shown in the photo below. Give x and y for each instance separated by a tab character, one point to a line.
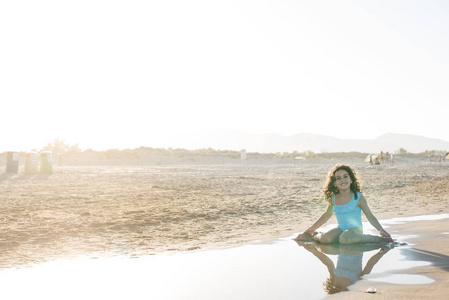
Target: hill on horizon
272	143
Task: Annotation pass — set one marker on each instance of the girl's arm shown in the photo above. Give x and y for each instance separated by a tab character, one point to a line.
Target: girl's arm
373	260
322	220
323	258
371	218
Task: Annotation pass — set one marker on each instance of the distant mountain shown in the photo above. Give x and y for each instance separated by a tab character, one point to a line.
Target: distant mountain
269	143
411	143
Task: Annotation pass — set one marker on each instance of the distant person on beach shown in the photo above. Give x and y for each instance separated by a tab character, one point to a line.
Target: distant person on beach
342	191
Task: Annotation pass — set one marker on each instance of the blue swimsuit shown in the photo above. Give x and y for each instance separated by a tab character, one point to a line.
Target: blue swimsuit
348	215
349	266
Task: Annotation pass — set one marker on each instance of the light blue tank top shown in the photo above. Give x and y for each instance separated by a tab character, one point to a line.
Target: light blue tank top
349	215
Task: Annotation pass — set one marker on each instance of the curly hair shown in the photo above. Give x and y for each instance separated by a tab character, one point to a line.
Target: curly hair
330	288
330	188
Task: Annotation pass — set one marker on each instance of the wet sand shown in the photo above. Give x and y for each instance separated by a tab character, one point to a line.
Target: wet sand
428	241
280	269
107	212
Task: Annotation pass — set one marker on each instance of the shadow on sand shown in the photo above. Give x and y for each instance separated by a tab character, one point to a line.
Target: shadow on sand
15	176
6	176
349	267
437	259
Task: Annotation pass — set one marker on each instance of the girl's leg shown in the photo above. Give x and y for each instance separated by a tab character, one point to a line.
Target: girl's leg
355	235
329	237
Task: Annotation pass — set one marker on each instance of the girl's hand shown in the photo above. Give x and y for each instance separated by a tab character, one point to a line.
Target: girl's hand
310	247
385	234
306	235
384	251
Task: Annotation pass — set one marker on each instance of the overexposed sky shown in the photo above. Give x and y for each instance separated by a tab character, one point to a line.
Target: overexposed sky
124	74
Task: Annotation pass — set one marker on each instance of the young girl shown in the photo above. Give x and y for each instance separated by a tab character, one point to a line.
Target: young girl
343	194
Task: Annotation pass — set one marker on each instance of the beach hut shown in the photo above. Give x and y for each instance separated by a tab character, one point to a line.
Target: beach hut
31	163
46	162
12	162
243	156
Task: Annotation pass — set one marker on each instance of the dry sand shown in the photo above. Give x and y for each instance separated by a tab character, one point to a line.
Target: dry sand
134	211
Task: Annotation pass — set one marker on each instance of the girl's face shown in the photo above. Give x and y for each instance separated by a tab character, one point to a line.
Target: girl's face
342	180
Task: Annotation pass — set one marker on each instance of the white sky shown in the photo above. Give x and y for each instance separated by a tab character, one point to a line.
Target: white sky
124	74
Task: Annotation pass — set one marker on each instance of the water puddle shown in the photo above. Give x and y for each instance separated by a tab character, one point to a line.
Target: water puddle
283	269
402	220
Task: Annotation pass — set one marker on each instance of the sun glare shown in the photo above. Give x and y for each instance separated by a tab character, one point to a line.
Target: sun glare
115	75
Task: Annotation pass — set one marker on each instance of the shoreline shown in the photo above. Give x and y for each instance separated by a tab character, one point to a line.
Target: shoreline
427	240
268	269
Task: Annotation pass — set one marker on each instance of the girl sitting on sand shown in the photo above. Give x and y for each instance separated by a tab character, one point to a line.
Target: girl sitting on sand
343	194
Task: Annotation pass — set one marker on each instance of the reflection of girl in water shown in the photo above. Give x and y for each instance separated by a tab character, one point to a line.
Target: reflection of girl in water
349	263
343	194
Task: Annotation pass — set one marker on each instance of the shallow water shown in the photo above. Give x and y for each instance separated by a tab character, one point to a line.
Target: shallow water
402	220
278	270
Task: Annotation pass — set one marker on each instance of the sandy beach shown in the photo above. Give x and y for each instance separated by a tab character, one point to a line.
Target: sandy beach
138	211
